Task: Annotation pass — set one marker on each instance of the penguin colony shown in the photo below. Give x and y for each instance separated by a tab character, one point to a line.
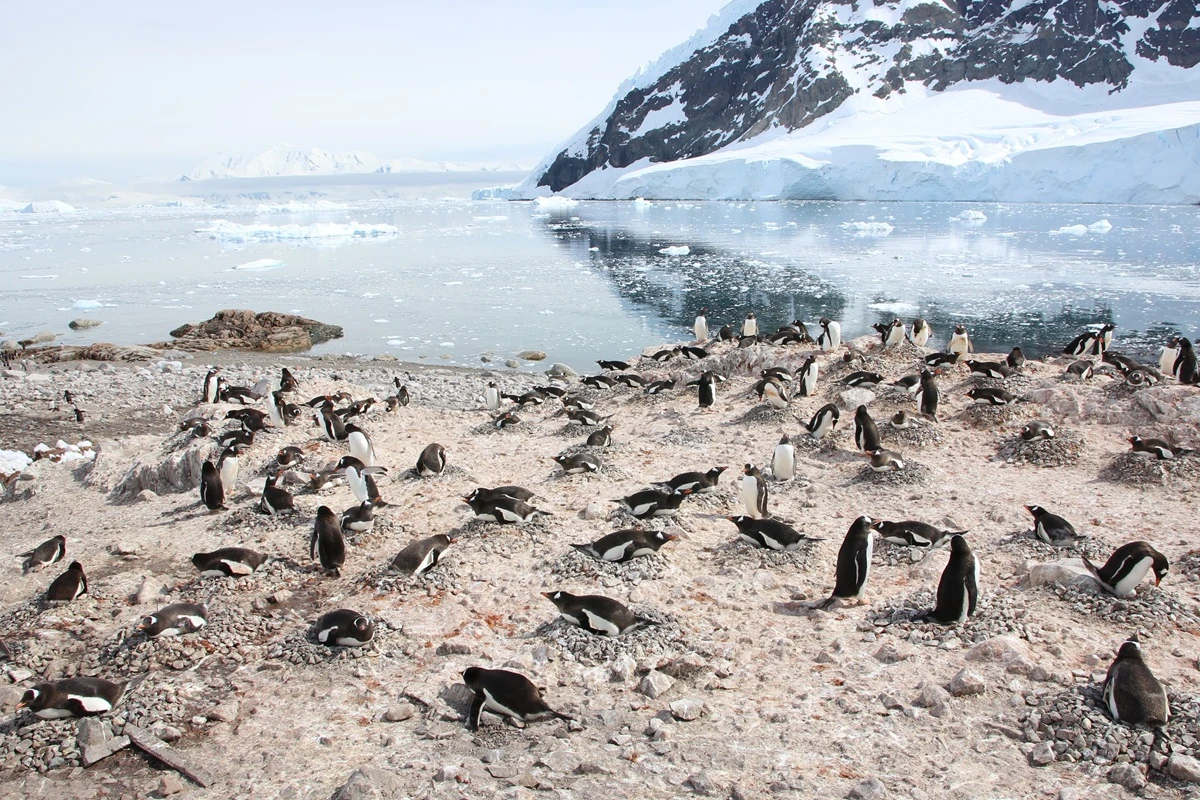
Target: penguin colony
1131	693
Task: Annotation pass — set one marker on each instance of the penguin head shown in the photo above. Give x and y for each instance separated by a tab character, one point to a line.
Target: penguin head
210	469
739	520
1161	567
472	675
785	439
147	623
349	462
558	597
1134	440
361	624
1130	649
715	472
77	567
35	699
1037	511
958	544
325	514
959	330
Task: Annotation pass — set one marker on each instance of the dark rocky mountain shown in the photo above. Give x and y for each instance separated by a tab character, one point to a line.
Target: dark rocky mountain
787	63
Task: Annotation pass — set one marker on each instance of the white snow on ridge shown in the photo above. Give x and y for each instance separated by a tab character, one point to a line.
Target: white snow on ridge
236	232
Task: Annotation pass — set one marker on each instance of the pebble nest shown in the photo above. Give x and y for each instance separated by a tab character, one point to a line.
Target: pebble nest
997	613
301	647
271	576
1150	609
1139	469
449	471
663	638
683	435
1064	449
803	443
763	414
500	538
890	554
1028	547
913	474
988	416
441	577
741	554
574	565
1079	729
574	430
919	433
489	428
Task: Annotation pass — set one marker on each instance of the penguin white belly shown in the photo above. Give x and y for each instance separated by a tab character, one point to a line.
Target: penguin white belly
823	426
1041	532
1125	586
750	328
237	567
571	618
750	496
229	474
349	641
835	335
921	337
959	344
361	526
168	632
600	624
700	329
641	551
212	573
640	509
1166	361
895	336
360	448
53	713
783	463
358	485
426	563
192	622
490	704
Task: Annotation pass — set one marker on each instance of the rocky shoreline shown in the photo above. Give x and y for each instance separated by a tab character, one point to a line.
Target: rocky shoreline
740	690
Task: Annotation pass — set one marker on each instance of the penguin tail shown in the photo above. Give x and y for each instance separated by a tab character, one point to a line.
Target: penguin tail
133	683
1090	566
815	539
586	549
646	622
379	502
561	715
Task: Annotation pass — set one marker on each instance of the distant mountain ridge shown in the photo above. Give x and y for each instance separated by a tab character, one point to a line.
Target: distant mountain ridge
750	98
283	160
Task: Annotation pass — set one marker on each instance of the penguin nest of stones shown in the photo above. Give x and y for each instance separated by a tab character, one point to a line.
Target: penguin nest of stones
301	647
685	436
740	554
1077	717
919	433
999	612
763	414
1151	608
574	565
913	474
665	638
1063	450
440	578
986	416
1140	469
1025	546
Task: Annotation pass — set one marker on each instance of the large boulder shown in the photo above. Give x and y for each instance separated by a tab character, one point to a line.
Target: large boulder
268	331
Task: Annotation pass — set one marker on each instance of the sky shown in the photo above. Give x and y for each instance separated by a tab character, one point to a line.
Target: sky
93	89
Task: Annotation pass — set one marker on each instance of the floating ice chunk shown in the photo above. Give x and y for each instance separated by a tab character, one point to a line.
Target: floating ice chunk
1070	230
260	264
85	304
868	228
894	307
298	207
676	250
37	277
47	207
1100	226
555	203
970	216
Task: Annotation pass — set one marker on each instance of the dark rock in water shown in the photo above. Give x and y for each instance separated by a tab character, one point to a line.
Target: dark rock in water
268	331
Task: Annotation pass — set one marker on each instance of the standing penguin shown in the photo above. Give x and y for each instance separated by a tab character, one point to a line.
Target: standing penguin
277	410
920	332
960	341
229	467
807	377
700	326
894	334
332	426
959	587
750	326
356	474
707	384
1185	369
212	493
783	460
754	492
287	381
866	432
431	461
831	334
853	562
68	586
327	542
1131	692
360	445
1170	352
508	694
928	395
491	396
211	388
824	421
1104	338
1016	358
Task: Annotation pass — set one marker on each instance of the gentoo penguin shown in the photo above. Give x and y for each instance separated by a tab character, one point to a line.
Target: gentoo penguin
228	466
824	421
356	474
707	384
1080	344
46	553
327	542
290	456
750	326
1081	370
632	380
210	391
276	409
1037	431
696	482
1016	358
595	613
984	396
1131	692
420	556
893	334
578	463
432	461
1155	447
197	426
598	381
516	492
769	533
1104	338
960	341
360	445
287	381
920	332
783	460
600	438
506	420
232	562
68	586
725	333
775	393
331	425
243	437
584	417
807	378
174	620
212	493
1166	359
275	499
1185	369
1127	566
652	503
909	383
754	492
658	387
866	432
345	628
940	359
911	533
928	395
693	353
621	546
901	420
491	396
403	396
74	697
863	379
251	418
573	402
885	461
831	335
959	587
700	326
507	694
1051	528
989	369
359	518
853	562
616	366
663	356
502	508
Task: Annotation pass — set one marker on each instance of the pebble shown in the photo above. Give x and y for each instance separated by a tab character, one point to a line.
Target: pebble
966	682
686	709
655	684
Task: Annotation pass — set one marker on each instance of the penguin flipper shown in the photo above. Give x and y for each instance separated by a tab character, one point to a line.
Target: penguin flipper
475	713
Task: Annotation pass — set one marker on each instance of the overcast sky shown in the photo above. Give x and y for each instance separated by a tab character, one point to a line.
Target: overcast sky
131	83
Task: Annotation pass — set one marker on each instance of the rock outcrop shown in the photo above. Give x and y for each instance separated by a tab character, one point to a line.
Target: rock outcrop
239	329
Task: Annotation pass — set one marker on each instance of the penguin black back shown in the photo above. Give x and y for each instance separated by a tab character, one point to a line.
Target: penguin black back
958	590
327	542
866	432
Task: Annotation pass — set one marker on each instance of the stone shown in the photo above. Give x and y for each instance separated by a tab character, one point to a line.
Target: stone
1067	572
593	511
655	684
870	789
853	398
1184	768
83	323
371	783
622	669
90	732
167	733
560	761
890	654
169	785
512	363
700	783
531	355
146	495
1127	775
561	371
929	695
687	709
268	331
1041	755
399	712
966	682
1001	649
890	702
149	592
225	712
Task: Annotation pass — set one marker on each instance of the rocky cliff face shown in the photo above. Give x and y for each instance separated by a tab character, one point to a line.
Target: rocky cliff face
787	63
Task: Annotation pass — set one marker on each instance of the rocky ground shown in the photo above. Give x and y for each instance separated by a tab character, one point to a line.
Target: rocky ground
741	690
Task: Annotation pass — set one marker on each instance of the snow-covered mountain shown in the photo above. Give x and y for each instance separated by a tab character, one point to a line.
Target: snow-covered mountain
290	160
1017	100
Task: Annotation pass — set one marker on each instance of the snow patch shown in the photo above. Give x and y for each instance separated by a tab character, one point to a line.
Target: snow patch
13	461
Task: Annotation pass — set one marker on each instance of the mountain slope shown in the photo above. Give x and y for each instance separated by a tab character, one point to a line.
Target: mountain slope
777	74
